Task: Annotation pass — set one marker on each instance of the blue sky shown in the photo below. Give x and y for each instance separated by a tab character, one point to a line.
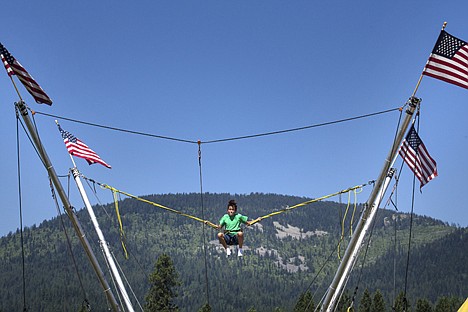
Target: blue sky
219	69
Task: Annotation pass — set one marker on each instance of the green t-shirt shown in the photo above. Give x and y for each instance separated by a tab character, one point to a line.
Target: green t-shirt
233	224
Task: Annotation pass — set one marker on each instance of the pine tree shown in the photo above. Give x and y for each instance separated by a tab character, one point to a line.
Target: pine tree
448	304
401	304
366	302
378	303
163	280
423	305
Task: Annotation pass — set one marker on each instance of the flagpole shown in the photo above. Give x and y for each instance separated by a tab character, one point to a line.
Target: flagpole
102	240
352	252
16	88
21	106
367	216
11	78
420	77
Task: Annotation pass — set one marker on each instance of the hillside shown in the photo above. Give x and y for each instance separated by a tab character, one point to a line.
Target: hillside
284	255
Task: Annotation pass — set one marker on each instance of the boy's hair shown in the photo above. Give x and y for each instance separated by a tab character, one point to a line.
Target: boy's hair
232	203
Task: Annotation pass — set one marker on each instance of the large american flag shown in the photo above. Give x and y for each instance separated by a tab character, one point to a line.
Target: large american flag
415	154
449	60
13	67
77	148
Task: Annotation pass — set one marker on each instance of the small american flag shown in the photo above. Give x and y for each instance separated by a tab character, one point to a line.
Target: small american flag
13	67
416	156
449	60
77	148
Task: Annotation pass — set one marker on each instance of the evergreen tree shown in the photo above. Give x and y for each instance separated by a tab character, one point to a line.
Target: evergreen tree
401	304
448	304
423	305
443	304
366	302
163	280
305	303
378	304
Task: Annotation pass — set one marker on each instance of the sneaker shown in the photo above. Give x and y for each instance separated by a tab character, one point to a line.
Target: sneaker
239	253
228	252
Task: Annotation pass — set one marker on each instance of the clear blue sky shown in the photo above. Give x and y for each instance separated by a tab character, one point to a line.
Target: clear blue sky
207	70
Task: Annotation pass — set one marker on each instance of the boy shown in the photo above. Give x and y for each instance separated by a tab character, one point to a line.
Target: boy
232	234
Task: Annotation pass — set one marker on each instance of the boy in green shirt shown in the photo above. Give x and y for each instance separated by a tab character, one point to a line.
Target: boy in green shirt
232	234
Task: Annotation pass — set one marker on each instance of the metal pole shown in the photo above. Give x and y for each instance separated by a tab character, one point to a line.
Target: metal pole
102	241
336	287
68	208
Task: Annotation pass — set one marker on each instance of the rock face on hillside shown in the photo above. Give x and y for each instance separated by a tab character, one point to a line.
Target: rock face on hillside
295	232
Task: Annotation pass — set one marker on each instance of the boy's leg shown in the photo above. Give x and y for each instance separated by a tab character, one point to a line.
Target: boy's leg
222	240
240	239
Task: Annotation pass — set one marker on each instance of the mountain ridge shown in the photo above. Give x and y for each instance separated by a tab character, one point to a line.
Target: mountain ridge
282	256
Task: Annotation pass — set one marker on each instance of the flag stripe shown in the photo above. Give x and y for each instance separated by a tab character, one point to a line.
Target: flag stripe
13	67
446	78
427	164
414	153
439	67
79	149
7	66
452	65
30	84
446	71
449	60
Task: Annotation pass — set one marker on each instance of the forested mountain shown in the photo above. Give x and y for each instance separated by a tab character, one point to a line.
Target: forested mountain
284	255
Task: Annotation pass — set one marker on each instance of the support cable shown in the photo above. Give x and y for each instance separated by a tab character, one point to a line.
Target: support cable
288	208
317	274
203	228
115	129
18	165
342	224
301	128
223	139
405	301
97	245
124	237
395	240
395	205
29	137
126	280
114	283
322	267
54	197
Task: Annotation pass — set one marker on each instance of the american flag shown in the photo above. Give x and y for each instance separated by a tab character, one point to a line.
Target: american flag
77	148
13	67
415	154
449	60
